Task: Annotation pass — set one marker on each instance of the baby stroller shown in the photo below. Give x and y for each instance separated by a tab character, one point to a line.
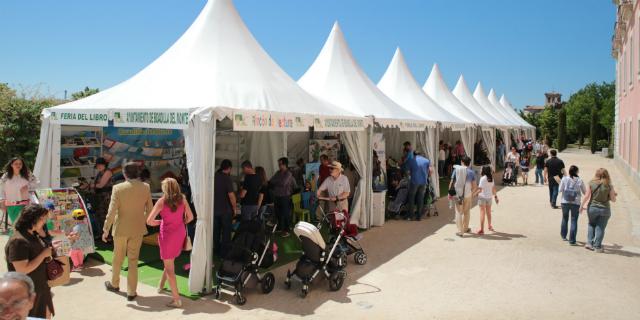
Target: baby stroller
430	201
317	258
510	174
349	243
252	248
399	201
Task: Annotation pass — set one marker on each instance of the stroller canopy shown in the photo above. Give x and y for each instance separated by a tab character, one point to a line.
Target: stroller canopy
305	229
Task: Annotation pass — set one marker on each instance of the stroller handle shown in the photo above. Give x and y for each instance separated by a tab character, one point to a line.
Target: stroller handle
325	215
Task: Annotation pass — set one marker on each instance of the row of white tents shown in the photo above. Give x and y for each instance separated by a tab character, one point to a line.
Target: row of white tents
218	76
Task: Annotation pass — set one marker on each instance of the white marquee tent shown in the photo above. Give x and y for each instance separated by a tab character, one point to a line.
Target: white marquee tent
215	71
531	130
482	99
437	89
336	77
399	84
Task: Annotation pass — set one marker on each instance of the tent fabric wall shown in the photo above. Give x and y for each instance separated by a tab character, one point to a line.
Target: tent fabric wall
489	138
265	148
358	146
468	137
200	141
298	146
394	138
428	141
46	167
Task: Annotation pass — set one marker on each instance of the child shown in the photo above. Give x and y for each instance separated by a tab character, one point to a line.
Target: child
78	236
485	192
524	168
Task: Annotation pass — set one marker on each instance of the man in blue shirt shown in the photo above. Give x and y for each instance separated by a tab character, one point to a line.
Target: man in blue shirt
420	170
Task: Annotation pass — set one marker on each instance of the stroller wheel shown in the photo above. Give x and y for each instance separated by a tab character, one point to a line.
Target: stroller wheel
360	257
240	299
287	281
216	293
336	280
268	282
304	291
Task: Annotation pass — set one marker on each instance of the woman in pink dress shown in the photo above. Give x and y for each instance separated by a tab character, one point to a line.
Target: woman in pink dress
175	214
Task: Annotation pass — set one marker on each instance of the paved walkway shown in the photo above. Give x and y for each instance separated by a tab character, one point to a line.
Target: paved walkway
421	270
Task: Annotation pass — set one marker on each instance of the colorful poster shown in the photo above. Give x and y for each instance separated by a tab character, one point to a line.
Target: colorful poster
326	123
69	232
318	147
379	148
161	151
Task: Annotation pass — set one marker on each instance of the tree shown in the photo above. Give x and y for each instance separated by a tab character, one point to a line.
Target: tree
84	93
594	130
562	129
533	119
606	114
549	125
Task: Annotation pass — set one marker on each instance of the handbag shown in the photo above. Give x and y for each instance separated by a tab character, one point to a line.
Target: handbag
65	276
186	245
54	268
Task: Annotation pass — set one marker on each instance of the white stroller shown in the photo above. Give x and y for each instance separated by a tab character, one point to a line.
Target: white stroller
317	258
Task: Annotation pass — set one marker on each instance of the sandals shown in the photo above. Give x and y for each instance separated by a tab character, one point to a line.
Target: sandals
175	304
480	232
491	229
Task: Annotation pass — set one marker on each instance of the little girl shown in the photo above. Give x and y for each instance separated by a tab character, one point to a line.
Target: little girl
79	237
486	190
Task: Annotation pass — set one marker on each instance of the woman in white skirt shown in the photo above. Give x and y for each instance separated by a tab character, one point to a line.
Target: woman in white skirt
486	190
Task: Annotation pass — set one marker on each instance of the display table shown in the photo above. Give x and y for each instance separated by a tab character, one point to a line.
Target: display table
378	208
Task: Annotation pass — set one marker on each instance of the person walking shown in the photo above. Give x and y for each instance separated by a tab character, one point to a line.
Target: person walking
553	173
420	170
15	183
224	208
128	210
282	184
102	186
250	195
524	167
485	192
27	253
572	189
541	157
463	180
175	213
600	193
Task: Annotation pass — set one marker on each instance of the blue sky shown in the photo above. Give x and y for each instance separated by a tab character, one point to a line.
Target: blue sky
521	48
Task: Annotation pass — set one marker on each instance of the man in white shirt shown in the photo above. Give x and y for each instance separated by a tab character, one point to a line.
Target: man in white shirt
336	188
465	185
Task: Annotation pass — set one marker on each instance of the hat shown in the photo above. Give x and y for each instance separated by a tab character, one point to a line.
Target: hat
49	205
77	213
336	165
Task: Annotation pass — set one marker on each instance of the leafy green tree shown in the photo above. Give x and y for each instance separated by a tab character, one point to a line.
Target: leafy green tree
593	137
549	125
84	93
562	129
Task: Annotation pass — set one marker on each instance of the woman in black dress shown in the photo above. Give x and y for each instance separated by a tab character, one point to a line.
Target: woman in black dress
26	253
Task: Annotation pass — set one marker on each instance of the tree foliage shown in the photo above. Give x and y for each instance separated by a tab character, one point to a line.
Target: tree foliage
84	93
549	125
593	137
562	129
600	97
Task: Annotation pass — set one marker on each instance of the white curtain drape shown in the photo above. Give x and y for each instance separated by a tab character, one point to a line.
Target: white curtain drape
359	148
394	139
427	142
468	137
47	166
506	137
298	146
265	148
489	138
200	141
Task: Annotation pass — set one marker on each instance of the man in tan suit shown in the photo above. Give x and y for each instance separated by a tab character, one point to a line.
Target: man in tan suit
128	210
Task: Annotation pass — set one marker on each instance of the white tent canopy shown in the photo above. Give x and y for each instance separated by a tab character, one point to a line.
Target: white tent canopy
482	99
215	70
507	105
515	118
336	77
462	92
437	89
399	84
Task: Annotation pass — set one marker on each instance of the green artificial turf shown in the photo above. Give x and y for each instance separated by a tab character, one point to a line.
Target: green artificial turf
150	265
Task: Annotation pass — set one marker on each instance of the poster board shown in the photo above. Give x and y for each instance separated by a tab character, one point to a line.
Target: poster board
379	146
318	147
60	223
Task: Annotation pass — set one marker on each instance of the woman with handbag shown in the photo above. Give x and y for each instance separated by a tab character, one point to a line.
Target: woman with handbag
27	253
175	214
596	201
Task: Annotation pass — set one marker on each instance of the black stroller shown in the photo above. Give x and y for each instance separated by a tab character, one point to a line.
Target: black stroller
510	174
252	248
318	258
398	202
430	201
339	224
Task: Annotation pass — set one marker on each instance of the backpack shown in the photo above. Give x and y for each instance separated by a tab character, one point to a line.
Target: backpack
570	193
